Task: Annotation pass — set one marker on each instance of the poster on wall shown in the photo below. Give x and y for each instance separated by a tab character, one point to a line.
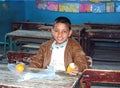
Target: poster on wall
98	7
86	7
75	6
118	7
84	0
52	6
110	7
41	5
69	7
72	0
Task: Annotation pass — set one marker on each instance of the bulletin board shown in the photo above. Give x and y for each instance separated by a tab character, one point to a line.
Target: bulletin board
79	6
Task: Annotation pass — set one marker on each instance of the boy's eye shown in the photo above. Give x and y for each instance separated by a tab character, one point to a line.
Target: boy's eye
64	31
55	30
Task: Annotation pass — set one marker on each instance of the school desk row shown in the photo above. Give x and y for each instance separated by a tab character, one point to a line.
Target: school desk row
87	34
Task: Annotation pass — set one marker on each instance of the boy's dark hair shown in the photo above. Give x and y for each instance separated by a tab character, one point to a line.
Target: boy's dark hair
64	20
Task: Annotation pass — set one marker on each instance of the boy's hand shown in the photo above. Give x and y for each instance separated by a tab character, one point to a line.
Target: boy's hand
26	60
74	71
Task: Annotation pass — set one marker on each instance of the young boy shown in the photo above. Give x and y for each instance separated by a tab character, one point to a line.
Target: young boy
60	51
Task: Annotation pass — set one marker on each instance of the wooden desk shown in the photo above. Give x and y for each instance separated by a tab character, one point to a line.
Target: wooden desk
97	32
90	76
77	28
30	35
100	35
30	25
9	80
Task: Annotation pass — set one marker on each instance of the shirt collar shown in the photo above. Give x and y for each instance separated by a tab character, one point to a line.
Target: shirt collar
53	46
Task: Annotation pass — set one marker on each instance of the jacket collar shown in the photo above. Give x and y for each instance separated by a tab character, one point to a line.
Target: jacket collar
53	46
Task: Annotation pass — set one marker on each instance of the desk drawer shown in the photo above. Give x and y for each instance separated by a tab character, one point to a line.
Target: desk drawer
103	35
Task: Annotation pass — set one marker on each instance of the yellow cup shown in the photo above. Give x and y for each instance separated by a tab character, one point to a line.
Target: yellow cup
70	67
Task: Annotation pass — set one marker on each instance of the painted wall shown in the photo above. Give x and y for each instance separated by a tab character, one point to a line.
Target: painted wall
37	15
10	11
23	10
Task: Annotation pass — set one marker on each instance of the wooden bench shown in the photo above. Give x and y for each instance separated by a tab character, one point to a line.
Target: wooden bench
37	26
100	33
36	46
13	56
33	26
90	76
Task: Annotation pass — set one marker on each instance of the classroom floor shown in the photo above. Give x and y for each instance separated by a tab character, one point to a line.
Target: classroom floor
109	56
99	53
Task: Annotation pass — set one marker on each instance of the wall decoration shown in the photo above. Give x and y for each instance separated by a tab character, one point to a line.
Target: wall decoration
84	0
118	7
79	6
96	1
71	0
62	7
98	7
41	5
86	7
105	0
69	7
52	6
110	7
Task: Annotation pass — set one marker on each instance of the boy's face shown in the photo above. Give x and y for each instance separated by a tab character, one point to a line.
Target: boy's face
61	32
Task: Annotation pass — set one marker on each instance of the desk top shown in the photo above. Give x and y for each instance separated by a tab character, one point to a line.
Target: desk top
103	30
7	78
101	76
31	34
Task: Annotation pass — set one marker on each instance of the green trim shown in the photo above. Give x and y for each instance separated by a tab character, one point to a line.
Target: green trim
3	43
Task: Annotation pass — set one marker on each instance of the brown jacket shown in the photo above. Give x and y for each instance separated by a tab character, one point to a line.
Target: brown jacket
73	53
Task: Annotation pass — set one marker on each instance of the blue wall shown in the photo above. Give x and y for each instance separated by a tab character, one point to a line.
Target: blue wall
10	11
23	10
37	15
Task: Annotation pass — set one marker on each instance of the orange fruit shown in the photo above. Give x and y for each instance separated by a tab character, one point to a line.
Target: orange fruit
20	68
70	67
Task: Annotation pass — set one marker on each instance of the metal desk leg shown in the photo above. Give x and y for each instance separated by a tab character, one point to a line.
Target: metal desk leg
9	44
5	46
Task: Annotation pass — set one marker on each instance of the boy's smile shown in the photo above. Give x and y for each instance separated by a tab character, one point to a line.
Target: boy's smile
61	32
